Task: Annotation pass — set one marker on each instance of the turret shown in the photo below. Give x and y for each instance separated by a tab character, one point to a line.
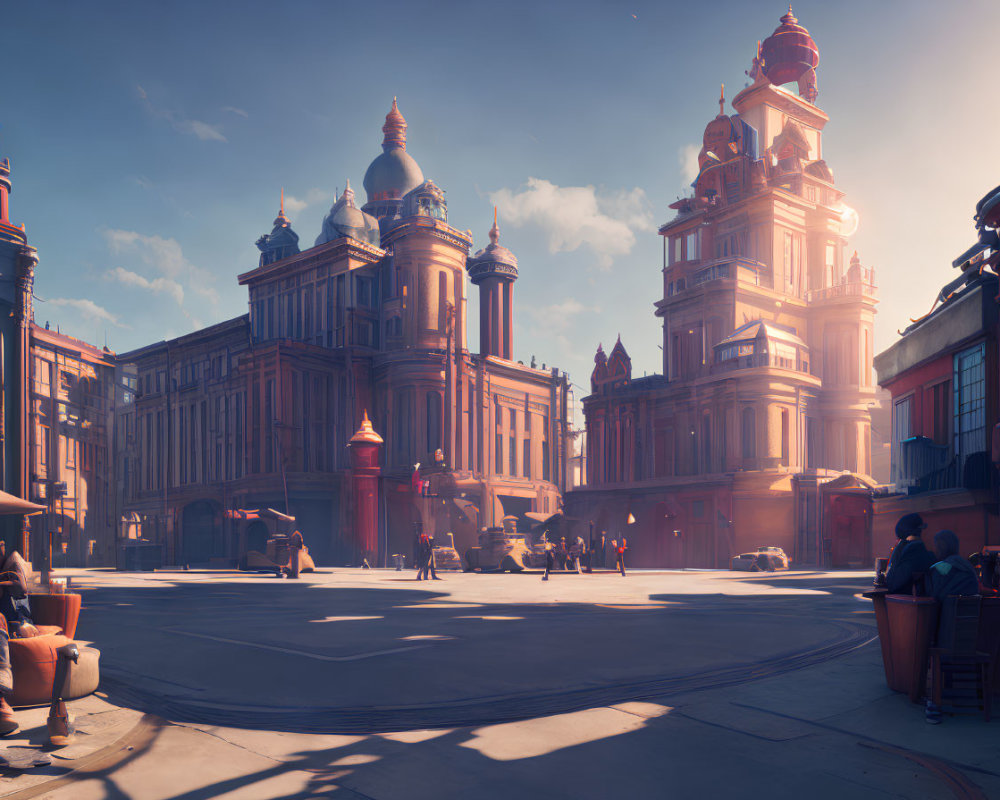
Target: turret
494	270
281	242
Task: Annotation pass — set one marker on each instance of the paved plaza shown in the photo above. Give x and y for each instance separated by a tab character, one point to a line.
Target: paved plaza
368	684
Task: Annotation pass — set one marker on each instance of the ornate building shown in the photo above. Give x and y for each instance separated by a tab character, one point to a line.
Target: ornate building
259	410
57	412
767	344
17	276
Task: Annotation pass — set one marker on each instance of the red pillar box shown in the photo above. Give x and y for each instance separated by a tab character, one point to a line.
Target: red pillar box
364	489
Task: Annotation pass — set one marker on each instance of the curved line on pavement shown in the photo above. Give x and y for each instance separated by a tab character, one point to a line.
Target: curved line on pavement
475	711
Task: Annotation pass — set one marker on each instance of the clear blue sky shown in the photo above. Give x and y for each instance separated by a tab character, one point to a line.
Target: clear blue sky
149	142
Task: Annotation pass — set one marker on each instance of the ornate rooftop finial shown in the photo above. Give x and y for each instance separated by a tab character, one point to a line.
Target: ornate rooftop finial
366	433
722	100
394	129
494	231
281	219
349	195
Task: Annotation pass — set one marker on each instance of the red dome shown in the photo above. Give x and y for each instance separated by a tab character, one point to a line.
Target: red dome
789	53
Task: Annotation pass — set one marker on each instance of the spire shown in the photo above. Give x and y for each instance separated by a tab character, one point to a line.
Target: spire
281	220
722	100
349	195
494	231
394	129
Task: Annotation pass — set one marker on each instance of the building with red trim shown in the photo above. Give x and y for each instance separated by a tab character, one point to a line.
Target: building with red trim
258	411
767	386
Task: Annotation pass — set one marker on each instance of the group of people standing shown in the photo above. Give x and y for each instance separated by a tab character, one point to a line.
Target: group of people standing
581	558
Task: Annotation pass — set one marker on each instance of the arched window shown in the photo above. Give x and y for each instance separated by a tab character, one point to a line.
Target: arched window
749	432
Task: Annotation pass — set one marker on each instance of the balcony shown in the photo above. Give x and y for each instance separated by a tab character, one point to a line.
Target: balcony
760	360
844	291
742	269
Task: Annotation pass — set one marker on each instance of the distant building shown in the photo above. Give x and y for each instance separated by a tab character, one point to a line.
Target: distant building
258	411
767	346
74	391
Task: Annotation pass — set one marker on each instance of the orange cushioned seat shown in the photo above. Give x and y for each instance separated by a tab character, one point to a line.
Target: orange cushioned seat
33	662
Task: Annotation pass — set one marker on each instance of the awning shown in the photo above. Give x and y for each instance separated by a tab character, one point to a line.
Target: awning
12	504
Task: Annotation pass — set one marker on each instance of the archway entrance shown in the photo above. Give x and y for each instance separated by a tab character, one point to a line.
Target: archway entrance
201	532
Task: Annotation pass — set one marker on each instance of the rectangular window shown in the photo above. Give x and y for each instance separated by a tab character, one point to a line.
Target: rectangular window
512	443
941	409
971	457
675	249
787	262
269	463
181	442
526	458
901	430
498	445
692	246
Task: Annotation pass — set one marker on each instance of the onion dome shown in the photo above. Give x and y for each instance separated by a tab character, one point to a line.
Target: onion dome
281	242
346	219
790	55
394	173
366	433
492	260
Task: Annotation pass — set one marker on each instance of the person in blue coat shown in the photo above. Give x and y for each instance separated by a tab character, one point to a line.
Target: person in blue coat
909	557
952	574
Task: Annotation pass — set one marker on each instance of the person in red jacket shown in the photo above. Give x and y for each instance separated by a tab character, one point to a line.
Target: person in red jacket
620	554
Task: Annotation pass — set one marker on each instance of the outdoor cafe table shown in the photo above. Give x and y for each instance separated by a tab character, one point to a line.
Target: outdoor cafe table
906	630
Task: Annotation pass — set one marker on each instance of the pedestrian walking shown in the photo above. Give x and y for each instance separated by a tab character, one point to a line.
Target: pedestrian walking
428	569
620	554
549	561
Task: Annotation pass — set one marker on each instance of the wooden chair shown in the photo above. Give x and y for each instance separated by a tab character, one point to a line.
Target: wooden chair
959	672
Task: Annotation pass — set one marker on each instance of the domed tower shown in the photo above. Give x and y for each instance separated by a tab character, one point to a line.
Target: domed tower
494	270
346	219
281	242
790	55
392	174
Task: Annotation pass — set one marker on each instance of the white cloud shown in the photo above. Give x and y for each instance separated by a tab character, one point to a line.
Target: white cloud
552	322
239	112
164	257
180	123
88	309
687	158
204	131
571	216
294	205
127	278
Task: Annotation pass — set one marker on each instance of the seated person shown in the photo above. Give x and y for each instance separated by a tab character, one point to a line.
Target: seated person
952	575
909	556
14	594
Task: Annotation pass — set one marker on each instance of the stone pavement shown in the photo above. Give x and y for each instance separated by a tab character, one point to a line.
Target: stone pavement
712	684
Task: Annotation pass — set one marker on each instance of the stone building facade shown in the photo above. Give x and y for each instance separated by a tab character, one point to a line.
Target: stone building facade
767	345
258	411
74	390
